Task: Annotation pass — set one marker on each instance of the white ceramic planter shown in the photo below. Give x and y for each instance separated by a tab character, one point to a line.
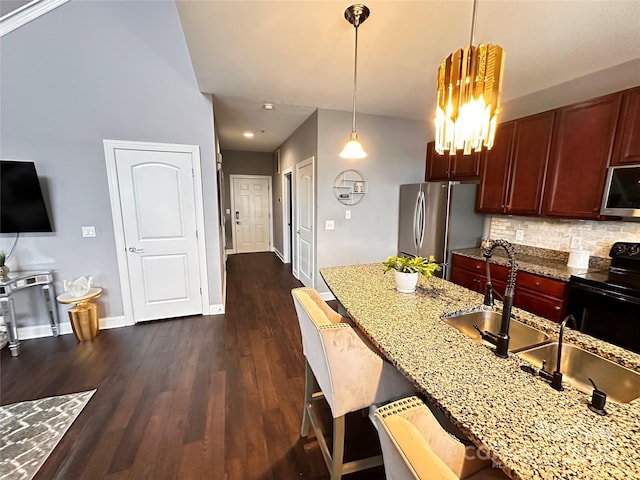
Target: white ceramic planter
406	282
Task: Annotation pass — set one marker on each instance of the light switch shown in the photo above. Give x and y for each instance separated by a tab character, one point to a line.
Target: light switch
347	214
228	211
519	235
88	232
329	225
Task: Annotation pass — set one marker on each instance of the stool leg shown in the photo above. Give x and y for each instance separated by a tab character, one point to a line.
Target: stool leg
308	394
337	456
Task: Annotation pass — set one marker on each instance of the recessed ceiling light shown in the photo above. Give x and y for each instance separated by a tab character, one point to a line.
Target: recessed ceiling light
248	134
268	106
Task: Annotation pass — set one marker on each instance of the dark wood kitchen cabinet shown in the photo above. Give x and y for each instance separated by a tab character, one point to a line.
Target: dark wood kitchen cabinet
513	171
581	149
454	166
541	296
626	147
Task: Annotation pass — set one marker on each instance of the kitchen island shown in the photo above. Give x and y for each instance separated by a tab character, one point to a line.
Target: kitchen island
527	428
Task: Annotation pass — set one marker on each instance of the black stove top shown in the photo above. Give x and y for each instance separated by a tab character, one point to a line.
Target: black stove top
624	274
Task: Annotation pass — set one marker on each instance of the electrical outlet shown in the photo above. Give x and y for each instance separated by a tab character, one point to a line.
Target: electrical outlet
519	235
347	214
576	242
329	225
88	232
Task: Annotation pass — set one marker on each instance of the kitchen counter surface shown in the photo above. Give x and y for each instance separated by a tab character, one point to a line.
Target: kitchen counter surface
529	429
546	263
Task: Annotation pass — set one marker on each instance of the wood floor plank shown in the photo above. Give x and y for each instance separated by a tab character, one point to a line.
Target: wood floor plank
202	397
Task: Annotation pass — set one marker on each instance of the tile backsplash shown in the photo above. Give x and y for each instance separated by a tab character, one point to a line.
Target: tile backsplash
557	234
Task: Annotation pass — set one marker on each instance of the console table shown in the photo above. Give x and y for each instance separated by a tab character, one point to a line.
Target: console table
17	281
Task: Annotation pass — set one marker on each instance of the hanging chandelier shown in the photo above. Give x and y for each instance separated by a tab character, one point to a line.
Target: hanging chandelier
355	15
468	97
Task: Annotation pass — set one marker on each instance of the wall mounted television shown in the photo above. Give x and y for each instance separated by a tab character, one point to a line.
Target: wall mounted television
22	207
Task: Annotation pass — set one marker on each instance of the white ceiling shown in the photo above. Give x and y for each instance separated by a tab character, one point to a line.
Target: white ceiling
298	55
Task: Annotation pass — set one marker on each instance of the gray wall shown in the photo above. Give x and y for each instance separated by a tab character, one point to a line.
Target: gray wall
241	163
85	72
396	155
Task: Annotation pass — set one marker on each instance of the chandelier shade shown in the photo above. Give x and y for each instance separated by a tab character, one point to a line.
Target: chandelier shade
468	97
355	15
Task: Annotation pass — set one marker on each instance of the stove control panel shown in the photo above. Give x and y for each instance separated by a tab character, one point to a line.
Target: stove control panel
625	250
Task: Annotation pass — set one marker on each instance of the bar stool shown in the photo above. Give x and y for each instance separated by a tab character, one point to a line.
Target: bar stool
350	373
416	447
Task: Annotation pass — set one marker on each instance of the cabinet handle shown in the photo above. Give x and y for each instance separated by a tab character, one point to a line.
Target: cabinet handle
557	307
477	267
537	284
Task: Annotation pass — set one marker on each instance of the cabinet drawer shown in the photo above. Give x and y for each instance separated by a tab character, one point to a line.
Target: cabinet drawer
542	305
547	286
467	263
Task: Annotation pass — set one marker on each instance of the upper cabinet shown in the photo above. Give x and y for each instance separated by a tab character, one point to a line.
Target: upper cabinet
626	147
581	150
554	164
450	167
513	171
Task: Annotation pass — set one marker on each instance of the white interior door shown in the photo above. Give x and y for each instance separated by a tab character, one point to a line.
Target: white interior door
305	221
251	214
157	202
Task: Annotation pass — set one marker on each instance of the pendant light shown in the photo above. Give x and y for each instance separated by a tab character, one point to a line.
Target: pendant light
355	15
468	97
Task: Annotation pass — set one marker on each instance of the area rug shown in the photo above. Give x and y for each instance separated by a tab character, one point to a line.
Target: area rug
29	431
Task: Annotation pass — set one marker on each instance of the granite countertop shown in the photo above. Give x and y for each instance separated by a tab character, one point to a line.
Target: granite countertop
529	429
547	263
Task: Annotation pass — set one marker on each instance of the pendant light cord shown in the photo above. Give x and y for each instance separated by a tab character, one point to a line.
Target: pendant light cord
355	75
473	23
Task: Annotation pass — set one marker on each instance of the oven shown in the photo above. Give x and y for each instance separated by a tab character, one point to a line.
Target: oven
606	303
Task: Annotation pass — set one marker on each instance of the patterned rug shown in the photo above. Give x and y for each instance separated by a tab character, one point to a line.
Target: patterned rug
29	431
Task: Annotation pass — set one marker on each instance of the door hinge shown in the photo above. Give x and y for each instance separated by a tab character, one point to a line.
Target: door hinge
193	173
201	291
196	233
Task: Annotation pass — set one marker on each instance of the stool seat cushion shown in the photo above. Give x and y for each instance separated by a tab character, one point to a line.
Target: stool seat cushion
412	445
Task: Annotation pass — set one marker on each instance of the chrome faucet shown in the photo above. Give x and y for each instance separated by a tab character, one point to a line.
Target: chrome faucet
501	340
556	377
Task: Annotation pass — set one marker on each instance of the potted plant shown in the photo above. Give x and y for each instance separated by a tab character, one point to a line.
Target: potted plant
407	270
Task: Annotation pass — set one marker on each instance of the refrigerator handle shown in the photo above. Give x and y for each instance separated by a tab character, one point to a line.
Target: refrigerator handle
415	221
423	209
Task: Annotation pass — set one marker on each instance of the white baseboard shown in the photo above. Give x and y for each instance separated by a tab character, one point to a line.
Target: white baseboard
278	254
230	251
326	296
64	328
216	309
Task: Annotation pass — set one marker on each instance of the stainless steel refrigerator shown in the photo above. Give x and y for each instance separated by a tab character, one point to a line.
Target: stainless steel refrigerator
437	217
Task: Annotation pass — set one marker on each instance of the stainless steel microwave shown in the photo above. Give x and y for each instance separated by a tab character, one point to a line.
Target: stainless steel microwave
622	192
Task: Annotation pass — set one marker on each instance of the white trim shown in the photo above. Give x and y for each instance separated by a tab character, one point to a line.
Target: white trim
232	177
230	251
287	230
326	296
216	309
278	254
41	331
23	15
110	146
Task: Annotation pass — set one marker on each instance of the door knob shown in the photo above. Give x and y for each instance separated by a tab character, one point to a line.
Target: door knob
136	250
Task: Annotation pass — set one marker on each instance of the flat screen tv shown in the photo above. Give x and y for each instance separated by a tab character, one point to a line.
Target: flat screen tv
22	207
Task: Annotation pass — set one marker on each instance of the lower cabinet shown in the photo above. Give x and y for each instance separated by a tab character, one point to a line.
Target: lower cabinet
539	295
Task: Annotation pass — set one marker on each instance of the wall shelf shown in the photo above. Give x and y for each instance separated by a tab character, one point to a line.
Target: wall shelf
349	187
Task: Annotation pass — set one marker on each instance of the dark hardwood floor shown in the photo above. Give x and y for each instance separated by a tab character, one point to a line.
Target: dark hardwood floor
206	397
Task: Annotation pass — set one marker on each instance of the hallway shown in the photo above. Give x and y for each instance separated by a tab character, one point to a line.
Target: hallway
216	397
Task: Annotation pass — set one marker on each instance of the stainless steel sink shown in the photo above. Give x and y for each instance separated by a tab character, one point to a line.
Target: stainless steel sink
521	336
621	384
